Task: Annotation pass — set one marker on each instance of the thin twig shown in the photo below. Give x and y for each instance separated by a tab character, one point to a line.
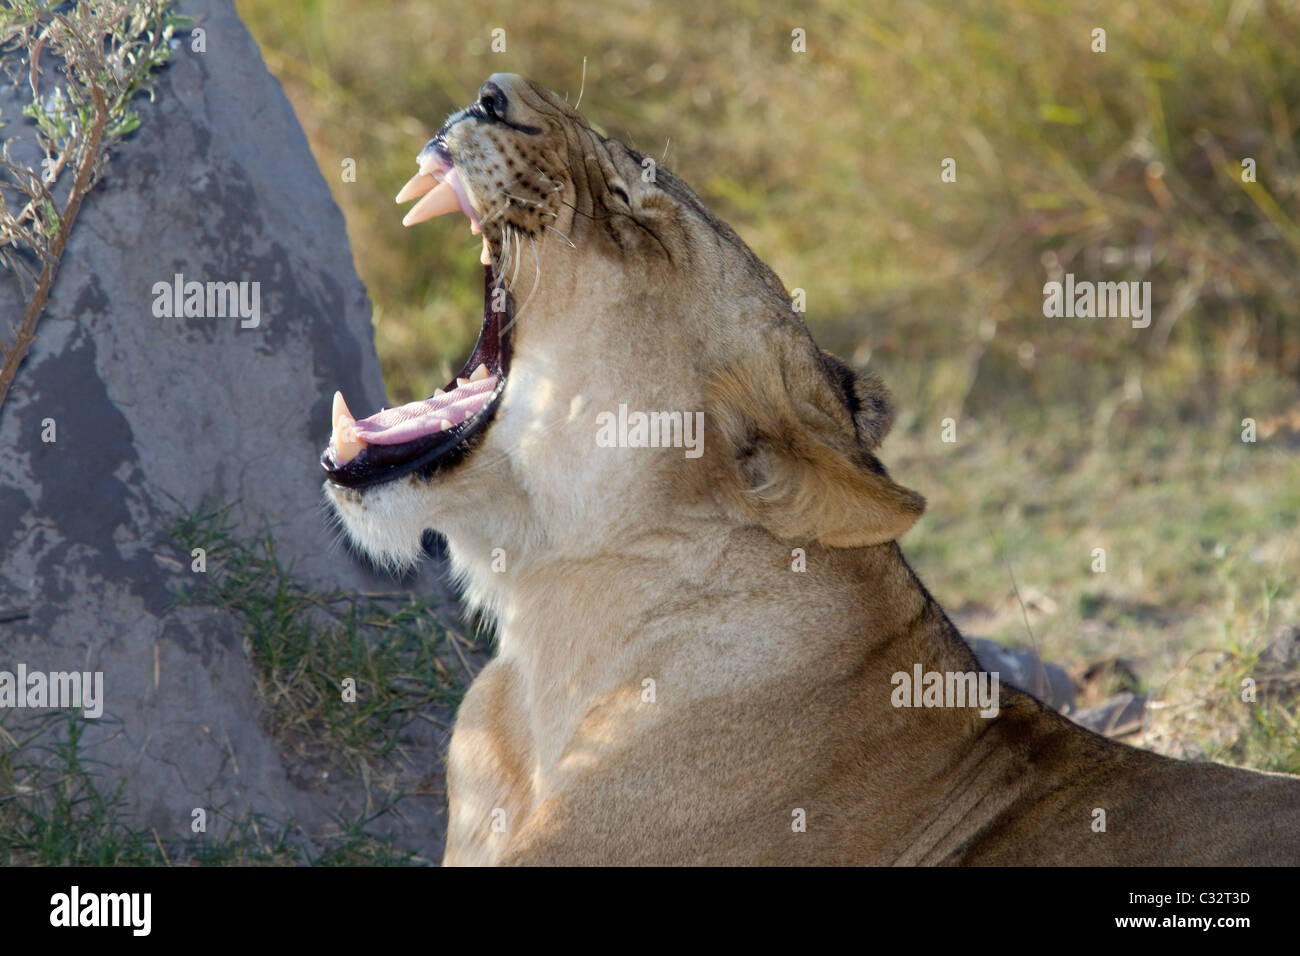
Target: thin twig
81	186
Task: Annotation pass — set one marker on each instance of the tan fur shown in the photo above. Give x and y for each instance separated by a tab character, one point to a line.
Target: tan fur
668	687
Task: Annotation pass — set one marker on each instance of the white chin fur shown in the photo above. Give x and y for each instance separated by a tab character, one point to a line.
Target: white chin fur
382	522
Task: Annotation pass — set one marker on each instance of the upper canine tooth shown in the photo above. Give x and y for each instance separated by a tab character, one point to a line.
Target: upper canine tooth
417	185
479	373
485	256
440	201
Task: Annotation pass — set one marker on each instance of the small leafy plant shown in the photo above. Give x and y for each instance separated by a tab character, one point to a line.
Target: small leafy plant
105	53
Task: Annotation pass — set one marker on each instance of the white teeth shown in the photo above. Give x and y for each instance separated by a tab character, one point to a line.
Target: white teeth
344	436
417	185
486	256
446	424
479	373
340	410
440	201
438	391
461	381
474	228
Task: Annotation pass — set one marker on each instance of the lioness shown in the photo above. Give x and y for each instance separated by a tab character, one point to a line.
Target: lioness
699	645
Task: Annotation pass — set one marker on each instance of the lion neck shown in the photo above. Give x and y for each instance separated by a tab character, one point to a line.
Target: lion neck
708	611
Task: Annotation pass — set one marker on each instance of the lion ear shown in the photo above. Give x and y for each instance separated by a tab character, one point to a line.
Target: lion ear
866	396
799	429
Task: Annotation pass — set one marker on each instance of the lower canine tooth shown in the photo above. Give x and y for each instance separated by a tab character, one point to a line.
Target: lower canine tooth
344	435
347	445
445	424
461	381
340	410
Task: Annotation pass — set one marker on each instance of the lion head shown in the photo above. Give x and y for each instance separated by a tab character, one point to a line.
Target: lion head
619	312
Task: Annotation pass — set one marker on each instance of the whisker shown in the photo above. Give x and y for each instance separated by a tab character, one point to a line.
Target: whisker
583	88
517	258
537	277
560	234
579	212
500	210
505	254
523	201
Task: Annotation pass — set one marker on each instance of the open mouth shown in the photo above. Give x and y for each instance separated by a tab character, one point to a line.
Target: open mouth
425	436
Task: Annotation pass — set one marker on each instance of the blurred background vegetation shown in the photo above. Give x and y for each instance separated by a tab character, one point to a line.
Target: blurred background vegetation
1072	434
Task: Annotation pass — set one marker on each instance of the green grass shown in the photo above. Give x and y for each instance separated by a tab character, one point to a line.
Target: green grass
56	807
55	811
403	658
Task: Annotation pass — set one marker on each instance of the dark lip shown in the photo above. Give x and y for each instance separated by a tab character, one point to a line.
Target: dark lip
379	464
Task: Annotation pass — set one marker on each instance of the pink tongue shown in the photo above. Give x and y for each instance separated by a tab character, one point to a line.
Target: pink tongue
393	426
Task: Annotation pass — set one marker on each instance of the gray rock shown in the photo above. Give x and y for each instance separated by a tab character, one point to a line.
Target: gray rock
1023	669
1282	653
1123	714
154	415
